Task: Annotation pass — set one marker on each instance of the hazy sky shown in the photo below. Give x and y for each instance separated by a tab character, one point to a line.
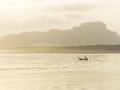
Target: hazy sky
30	15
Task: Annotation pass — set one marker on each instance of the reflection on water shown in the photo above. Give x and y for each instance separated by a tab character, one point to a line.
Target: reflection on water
59	72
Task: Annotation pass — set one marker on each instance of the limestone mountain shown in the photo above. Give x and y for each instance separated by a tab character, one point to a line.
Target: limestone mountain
92	33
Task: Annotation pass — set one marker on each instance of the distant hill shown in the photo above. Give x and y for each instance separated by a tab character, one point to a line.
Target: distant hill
93	33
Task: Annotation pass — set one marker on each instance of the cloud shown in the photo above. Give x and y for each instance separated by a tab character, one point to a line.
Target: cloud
74	16
72	7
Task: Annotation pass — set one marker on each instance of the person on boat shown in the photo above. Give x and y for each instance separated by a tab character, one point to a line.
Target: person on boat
86	58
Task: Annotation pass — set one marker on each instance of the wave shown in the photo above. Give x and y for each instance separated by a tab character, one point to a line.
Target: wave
31	68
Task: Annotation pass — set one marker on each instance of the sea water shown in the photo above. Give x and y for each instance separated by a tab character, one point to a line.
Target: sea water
59	72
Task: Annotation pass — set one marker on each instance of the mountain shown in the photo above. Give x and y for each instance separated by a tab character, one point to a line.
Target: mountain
92	33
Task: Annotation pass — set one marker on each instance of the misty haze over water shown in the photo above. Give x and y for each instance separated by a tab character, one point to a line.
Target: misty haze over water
39	52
